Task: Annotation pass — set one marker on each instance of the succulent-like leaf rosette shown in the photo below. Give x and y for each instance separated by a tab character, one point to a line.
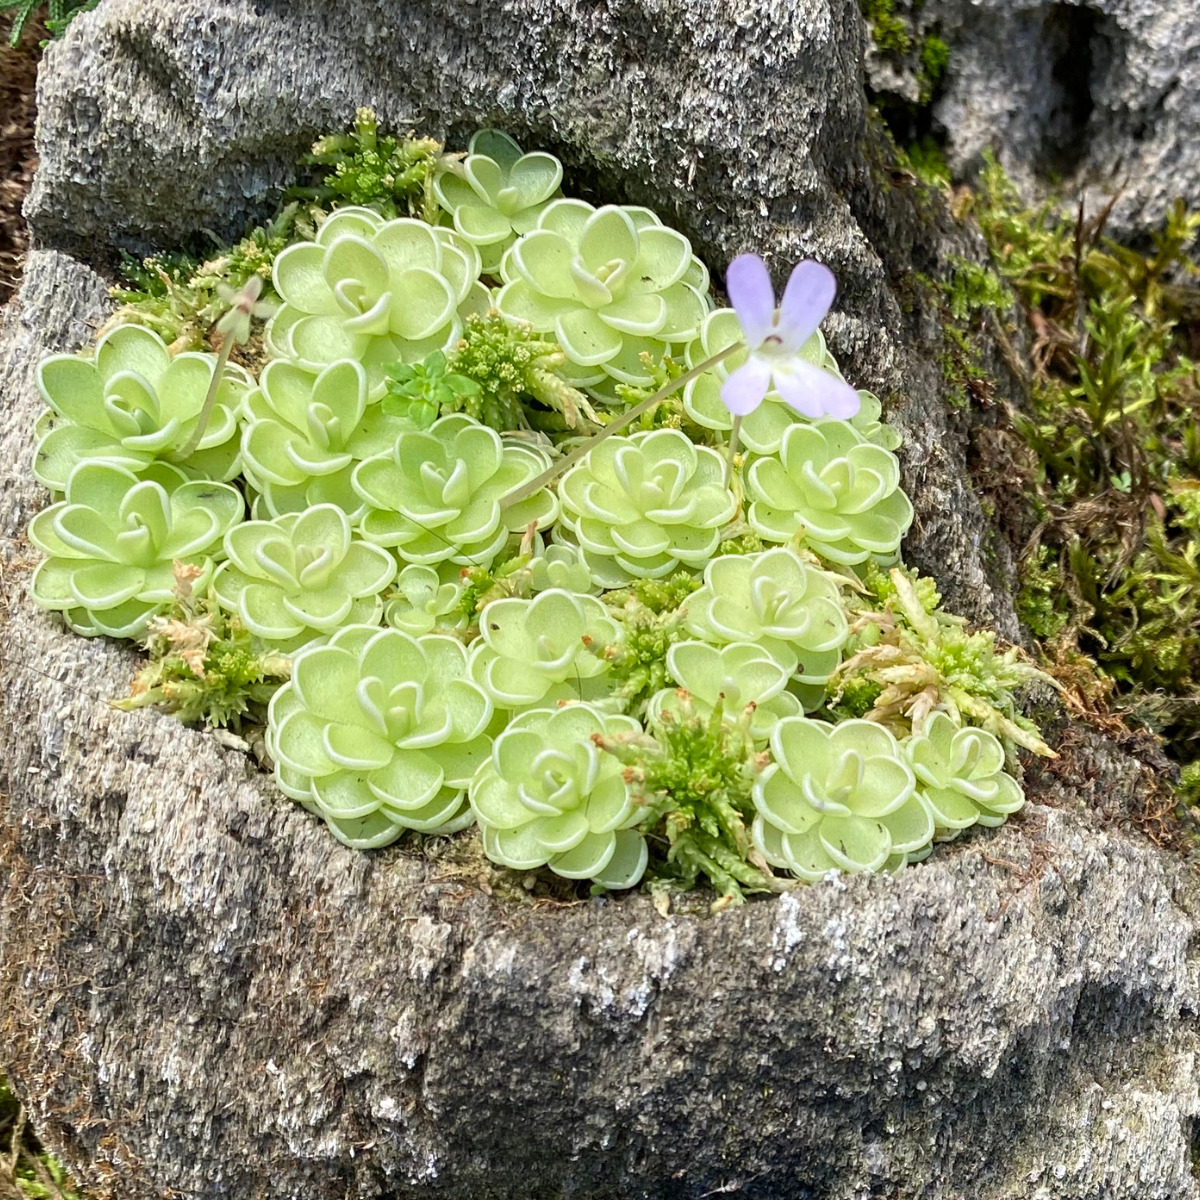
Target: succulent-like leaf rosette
497	193
788	609
642	506
837	489
560	566
304	434
302	575
133	404
379	732
960	772
837	796
738	675
610	283
112	542
436	496
548	796
374	291
537	652
427	598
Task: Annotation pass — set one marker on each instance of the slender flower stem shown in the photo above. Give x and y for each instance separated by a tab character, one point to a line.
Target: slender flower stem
549	475
206	411
733	445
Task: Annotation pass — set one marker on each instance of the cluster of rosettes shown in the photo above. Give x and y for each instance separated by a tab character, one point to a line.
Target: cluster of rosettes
460	631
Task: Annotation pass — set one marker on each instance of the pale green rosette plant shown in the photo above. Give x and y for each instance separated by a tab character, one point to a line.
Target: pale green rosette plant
133	404
301	576
497	192
739	675
426	599
789	609
436	496
303	436
560	566
548	796
642	506
839	491
540	651
610	283
379	732
112	542
837	796
374	291
960	772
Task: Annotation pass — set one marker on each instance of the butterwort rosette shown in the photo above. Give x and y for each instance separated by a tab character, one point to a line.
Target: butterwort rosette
833	488
133	404
497	192
378	732
837	797
960	772
112	543
374	291
610	283
643	506
549	797
303	435
301	576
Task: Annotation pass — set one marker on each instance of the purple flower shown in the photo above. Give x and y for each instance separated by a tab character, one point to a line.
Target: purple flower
774	337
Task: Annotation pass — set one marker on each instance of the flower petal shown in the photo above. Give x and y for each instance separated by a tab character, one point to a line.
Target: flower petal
813	392
744	390
806	300
751	294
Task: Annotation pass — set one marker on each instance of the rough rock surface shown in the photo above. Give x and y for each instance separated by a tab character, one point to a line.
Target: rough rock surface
1098	96
202	994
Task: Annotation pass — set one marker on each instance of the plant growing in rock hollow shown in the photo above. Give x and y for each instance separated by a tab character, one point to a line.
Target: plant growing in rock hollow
609	283
960	773
437	496
837	797
741	676
379	732
303	435
836	490
374	291
301	575
548	796
642	506
112	542
496	193
538	652
134	404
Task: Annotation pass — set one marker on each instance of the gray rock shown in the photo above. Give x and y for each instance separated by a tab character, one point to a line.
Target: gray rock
1094	96
202	993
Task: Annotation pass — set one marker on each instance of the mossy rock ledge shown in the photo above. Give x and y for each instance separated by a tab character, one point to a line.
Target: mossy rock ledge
203	994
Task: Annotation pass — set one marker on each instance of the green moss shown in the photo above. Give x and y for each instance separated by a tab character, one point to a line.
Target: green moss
935	58
1113	446
392	175
888	32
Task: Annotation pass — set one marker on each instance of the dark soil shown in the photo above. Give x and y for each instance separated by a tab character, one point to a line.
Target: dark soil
18	78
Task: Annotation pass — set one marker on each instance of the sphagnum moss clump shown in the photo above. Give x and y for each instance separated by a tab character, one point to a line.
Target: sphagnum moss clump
538	541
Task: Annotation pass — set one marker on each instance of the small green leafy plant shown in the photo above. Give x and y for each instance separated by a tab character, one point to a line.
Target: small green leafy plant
539	540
